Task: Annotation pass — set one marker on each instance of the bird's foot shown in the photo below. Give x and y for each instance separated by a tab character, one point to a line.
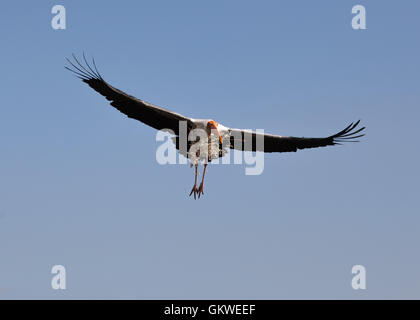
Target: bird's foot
200	190
194	190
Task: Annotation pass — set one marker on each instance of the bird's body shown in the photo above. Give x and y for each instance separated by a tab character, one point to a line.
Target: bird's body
204	139
203	145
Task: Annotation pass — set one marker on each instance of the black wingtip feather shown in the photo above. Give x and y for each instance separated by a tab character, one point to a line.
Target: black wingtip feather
348	134
83	71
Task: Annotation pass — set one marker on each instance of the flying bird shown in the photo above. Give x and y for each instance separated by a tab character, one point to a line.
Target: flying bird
213	140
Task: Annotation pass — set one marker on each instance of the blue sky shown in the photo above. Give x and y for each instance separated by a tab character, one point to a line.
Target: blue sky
80	185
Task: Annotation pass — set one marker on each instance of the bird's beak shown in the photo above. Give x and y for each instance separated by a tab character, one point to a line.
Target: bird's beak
214	127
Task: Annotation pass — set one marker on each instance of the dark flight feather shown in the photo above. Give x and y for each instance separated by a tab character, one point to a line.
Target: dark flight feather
154	116
247	141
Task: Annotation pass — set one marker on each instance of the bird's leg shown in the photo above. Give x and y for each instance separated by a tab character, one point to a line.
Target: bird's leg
200	189
194	189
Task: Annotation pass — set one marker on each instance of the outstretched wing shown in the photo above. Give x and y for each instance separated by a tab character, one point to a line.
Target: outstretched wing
154	116
251	141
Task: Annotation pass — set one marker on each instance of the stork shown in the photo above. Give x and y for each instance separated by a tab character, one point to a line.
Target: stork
217	140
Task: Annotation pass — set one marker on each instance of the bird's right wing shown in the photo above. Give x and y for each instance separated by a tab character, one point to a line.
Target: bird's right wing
245	140
154	116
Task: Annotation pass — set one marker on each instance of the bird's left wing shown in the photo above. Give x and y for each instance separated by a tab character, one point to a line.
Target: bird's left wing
245	140
154	116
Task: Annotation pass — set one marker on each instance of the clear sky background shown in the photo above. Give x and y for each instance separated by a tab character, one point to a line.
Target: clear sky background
80	185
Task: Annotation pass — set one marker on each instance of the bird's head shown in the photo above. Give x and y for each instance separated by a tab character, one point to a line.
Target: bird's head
213	125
